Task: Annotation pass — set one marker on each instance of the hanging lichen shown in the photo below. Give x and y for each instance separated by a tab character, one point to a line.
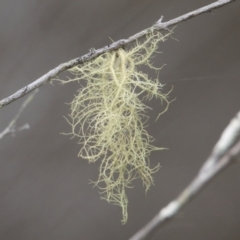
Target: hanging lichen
108	117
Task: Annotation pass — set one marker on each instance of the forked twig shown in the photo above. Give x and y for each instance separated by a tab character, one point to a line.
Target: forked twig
11	128
225	152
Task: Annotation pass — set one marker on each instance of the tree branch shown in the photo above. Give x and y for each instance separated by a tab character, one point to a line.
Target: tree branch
225	152
159	25
11	126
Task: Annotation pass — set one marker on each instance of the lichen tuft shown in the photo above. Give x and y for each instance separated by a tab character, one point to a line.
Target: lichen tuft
108	117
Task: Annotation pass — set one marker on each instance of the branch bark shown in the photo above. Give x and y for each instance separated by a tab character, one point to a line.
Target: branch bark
225	152
93	53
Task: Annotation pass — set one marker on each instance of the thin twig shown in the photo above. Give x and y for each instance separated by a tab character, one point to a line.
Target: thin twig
159	25
225	152
10	129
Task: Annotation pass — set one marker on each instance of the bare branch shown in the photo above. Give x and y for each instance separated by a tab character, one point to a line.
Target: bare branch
159	25
225	152
10	129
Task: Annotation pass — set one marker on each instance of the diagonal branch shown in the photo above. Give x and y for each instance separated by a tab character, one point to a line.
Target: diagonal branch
11	126
225	152
158	26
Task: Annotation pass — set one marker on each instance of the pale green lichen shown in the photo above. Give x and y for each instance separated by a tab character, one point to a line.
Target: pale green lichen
108	117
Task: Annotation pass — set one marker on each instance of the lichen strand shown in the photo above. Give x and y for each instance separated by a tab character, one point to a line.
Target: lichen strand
108	117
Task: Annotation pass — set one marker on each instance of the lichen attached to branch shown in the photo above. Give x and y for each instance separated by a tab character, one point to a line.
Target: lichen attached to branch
108	117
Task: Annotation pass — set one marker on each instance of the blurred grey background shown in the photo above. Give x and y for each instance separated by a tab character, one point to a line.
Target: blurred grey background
44	188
